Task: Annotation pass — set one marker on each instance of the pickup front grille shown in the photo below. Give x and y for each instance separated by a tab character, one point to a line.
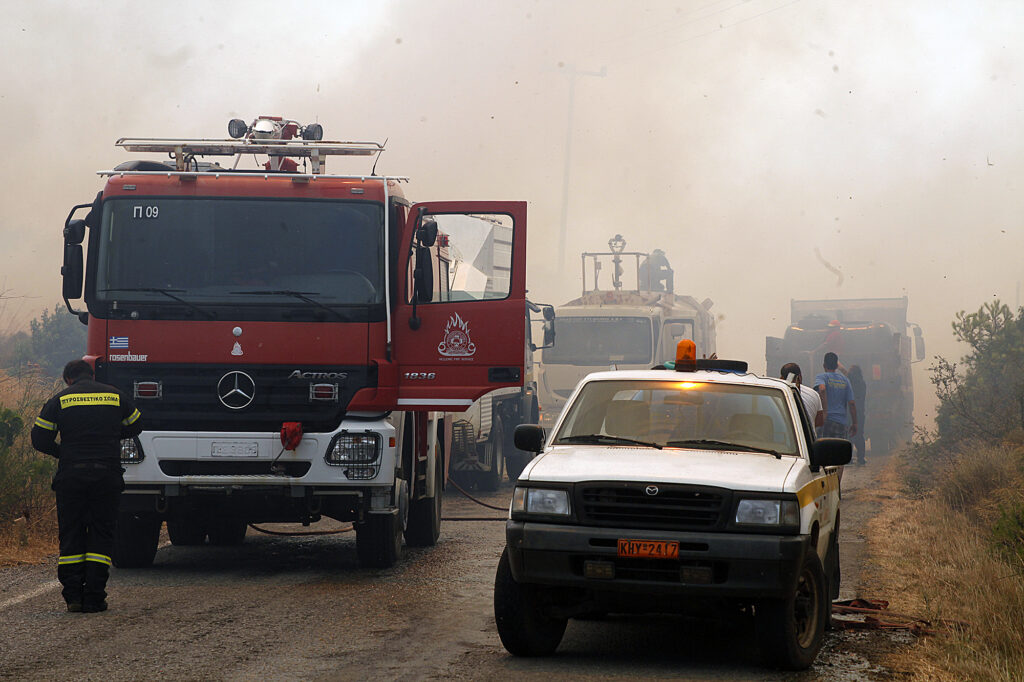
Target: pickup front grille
633	505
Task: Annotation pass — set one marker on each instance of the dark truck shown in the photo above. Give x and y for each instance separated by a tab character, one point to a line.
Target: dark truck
875	334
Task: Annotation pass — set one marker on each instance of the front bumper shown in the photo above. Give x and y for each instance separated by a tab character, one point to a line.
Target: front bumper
182	470
712	565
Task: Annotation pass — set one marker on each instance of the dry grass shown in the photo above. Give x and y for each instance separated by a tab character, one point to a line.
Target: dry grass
28	525
932	557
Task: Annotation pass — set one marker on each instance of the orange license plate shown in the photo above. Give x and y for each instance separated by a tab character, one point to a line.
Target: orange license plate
649	549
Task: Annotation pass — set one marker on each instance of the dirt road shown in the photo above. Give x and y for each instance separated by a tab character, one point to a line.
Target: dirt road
301	608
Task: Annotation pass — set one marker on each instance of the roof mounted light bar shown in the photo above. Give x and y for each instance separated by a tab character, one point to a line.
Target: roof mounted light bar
184	149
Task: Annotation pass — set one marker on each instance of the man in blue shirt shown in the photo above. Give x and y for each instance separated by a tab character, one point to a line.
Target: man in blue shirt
837	397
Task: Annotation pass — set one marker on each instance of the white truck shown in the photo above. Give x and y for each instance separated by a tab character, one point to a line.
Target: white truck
661	490
630	320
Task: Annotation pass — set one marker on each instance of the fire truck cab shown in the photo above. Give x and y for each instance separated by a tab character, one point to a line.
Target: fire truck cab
288	336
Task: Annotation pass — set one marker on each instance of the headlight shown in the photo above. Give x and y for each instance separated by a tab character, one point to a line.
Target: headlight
131	451
545	501
359	452
768	512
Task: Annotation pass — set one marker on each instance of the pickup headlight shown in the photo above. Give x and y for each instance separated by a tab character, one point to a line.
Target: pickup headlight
131	451
768	512
541	501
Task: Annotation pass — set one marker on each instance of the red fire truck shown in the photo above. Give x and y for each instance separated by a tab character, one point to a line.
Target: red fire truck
292	338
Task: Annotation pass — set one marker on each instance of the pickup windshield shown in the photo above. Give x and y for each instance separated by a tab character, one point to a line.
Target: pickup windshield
681	414
231	251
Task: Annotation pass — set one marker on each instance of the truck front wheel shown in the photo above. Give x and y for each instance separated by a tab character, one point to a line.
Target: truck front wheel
135	540
425	514
791	630
523	626
379	541
494	448
186	530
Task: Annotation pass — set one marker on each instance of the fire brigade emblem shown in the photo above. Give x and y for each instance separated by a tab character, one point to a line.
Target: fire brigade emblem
456	342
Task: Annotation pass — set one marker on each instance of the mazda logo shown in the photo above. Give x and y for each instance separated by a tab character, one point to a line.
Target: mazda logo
651	490
235	390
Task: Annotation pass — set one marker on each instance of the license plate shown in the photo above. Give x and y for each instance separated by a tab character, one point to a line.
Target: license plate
234	448
649	549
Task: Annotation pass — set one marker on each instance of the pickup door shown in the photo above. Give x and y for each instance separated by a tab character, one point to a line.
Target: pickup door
458	320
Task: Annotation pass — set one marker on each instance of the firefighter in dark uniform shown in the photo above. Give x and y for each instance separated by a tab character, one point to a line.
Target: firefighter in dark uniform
91	419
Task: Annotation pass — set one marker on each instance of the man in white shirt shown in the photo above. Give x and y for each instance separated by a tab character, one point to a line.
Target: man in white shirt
812	401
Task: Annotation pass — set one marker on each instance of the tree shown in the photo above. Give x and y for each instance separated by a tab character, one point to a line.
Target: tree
983	398
54	340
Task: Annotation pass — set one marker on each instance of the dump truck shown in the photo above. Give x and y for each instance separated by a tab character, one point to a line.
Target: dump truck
870	332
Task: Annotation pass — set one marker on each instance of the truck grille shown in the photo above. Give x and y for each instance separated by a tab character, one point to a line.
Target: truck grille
673	507
189	402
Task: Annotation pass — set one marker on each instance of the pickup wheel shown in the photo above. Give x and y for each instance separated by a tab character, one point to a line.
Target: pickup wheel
791	630
494	457
425	514
187	530
523	626
228	532
135	540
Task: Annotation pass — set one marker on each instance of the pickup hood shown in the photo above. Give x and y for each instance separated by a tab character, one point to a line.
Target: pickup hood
725	469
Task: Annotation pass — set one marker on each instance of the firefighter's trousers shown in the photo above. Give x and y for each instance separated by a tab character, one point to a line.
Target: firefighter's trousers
87	504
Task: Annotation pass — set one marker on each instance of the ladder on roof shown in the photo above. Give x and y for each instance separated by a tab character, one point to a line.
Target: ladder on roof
314	150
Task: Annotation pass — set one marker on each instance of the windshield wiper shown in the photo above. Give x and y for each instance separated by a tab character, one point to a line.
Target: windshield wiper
168	294
720	444
301	295
604	438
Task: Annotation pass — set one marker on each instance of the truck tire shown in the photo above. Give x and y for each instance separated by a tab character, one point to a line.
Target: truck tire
425	514
227	532
135	540
523	626
379	541
186	531
490	480
790	630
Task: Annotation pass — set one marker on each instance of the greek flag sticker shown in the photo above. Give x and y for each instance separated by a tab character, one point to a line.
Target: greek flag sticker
118	341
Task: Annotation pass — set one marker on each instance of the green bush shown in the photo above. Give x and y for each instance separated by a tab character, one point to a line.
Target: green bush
1008	534
25	474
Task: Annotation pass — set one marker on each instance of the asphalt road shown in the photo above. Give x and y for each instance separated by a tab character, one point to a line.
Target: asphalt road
300	608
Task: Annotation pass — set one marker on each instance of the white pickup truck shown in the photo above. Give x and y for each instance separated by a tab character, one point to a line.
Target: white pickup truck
661	490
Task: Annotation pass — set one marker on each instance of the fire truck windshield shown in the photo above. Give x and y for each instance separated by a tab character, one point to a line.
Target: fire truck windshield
601	341
213	251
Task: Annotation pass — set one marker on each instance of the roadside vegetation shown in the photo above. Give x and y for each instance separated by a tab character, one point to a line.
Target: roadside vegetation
949	545
30	367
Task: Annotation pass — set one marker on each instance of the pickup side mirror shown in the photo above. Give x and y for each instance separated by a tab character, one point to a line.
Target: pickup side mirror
530	437
831	452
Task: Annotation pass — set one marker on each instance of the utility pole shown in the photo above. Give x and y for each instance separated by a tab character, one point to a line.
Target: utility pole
572	73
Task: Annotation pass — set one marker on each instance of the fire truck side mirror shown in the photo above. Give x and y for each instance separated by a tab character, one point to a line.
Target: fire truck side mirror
74	232
426	233
423	276
918	343
548	312
72	271
549	334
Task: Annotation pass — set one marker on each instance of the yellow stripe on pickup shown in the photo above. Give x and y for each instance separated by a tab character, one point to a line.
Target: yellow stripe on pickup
77	399
819	487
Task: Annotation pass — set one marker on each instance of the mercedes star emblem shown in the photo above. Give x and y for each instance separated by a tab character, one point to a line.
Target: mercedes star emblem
650	490
236	390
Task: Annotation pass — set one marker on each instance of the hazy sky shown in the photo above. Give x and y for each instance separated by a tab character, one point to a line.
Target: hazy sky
739	135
